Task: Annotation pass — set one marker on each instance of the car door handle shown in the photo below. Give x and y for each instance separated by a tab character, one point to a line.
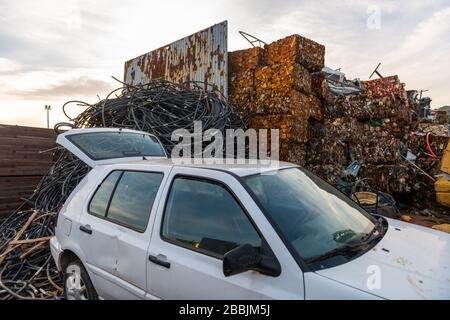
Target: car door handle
87	229
158	261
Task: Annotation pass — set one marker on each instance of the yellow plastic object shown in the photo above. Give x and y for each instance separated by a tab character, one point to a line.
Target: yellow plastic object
442	185
445	167
442	227
442	188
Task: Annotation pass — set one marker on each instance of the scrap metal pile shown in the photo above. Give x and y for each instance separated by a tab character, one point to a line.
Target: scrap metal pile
280	86
27	270
350	132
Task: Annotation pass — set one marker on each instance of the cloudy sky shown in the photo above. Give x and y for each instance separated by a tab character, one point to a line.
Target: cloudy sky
53	51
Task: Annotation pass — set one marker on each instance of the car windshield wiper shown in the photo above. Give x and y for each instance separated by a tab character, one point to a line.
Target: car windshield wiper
345	250
369	237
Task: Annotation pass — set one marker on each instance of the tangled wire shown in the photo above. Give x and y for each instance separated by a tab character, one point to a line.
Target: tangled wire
159	107
27	270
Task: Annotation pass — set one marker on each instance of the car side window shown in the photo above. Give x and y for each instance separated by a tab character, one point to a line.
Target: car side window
100	200
133	199
204	215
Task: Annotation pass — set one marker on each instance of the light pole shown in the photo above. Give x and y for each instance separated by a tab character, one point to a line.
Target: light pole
48	108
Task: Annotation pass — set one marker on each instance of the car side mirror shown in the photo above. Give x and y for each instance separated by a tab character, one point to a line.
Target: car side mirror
245	258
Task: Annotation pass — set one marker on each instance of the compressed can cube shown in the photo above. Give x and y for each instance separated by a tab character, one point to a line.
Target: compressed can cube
297	49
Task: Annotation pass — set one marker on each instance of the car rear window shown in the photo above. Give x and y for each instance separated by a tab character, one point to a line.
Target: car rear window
112	145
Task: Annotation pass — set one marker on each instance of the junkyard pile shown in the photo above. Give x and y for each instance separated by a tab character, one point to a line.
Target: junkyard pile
357	135
350	132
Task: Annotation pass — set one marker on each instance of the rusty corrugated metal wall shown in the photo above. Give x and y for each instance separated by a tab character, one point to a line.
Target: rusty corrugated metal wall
201	56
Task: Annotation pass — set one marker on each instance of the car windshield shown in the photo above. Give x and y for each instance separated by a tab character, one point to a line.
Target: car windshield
111	145
316	218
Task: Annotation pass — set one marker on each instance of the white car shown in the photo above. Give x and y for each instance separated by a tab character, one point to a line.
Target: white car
139	226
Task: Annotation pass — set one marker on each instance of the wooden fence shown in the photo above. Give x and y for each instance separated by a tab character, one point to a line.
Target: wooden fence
22	164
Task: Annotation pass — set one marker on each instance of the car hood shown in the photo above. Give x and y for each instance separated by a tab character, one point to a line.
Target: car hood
410	262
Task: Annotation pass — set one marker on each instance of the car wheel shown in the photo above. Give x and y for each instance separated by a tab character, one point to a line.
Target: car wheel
77	285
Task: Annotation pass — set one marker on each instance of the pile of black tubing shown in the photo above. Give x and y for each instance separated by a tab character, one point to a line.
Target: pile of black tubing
27	270
159	107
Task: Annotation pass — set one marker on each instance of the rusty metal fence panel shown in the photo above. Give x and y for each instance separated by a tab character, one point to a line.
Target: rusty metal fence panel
201	56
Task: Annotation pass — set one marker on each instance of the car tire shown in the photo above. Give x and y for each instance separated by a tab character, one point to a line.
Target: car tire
77	284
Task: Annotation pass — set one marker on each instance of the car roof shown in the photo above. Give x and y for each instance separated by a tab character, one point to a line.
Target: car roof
242	170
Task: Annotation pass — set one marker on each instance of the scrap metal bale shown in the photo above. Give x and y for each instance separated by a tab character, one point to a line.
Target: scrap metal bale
383	87
296	48
319	86
291	130
283	77
244	60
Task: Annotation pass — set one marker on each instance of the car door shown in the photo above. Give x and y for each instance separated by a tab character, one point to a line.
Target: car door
115	231
203	214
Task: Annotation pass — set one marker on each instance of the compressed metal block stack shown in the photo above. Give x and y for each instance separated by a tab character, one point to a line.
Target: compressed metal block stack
370	127
285	85
274	88
376	128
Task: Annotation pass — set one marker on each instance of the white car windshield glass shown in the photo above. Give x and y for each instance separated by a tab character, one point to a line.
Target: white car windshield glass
315	217
111	145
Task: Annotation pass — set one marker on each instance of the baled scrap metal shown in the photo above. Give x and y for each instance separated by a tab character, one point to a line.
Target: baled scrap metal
354	139
319	86
390	178
283	77
289	128
326	151
365	108
272	87
437	129
245	60
296	48
441	116
276	90
375	150
417	143
385	87
291	134
268	80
